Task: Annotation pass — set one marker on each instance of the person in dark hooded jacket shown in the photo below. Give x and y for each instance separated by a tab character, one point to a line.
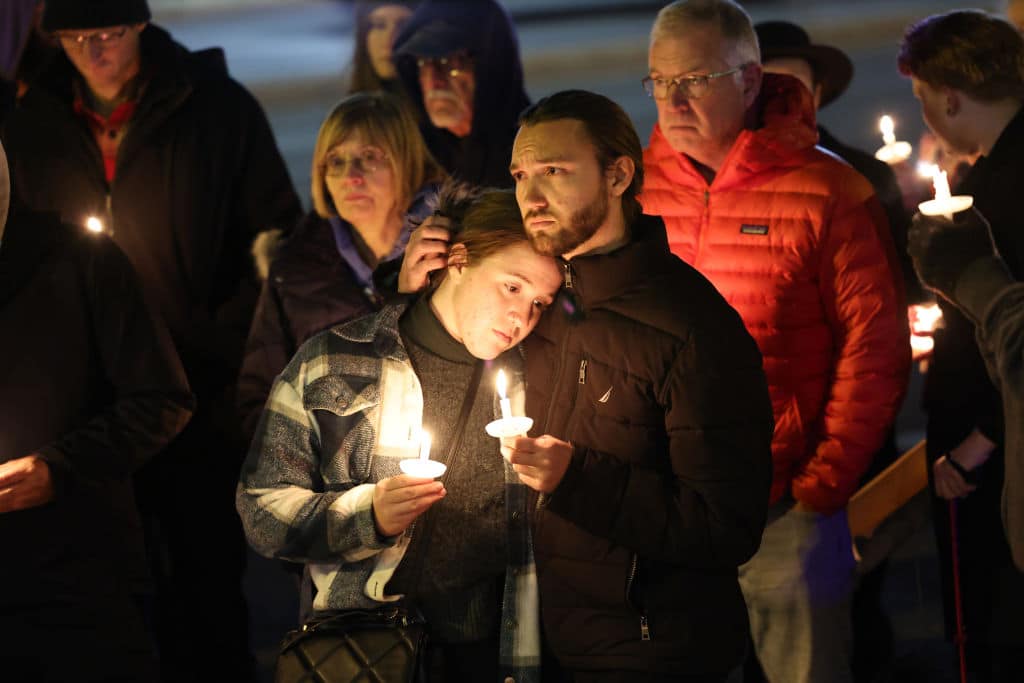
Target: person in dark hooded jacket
129	132
91	389
459	62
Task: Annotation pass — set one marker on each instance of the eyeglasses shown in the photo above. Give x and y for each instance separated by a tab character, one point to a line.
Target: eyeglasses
366	162
101	38
691	87
450	65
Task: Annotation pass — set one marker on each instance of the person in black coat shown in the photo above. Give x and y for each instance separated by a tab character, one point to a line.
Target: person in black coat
90	389
459	62
157	146
965	68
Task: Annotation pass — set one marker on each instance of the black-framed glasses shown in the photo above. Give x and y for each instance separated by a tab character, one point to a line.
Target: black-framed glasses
450	65
101	38
692	87
365	162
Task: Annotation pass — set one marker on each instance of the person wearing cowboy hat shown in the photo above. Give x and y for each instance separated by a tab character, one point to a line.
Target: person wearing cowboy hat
826	71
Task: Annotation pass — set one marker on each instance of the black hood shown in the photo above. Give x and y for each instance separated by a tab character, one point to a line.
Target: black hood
440	27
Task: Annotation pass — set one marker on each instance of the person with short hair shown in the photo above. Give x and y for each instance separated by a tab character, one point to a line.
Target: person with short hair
459	62
129	133
797	242
322	483
967	69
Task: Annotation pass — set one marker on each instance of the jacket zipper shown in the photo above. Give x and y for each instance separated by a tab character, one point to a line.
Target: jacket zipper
645	630
583	371
567	274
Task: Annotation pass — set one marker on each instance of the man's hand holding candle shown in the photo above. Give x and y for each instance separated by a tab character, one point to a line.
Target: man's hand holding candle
541	462
398	501
958	259
25	483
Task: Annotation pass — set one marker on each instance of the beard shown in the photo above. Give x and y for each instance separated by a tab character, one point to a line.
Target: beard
582	225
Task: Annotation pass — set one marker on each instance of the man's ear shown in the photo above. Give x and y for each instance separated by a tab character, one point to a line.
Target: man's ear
458	258
753	73
620	175
818	89
953	101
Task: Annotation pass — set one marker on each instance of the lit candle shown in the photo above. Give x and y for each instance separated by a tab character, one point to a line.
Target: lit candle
926	170
506	404
425	443
888	128
423	466
508	425
893	151
944	204
94	224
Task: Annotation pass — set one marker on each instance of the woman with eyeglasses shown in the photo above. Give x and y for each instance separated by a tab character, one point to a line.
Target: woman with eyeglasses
378	23
370	171
324	485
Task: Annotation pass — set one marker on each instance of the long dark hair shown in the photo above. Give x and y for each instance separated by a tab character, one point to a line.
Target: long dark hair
364	78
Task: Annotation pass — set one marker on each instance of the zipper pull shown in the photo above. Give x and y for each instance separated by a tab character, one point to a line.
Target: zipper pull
568	274
583	371
707	196
645	632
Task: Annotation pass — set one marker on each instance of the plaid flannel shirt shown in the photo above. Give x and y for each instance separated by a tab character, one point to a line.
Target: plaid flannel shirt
348	399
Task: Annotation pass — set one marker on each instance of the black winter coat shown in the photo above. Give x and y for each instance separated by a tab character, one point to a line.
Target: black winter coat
309	289
484	29
959	397
654	379
198	175
90	380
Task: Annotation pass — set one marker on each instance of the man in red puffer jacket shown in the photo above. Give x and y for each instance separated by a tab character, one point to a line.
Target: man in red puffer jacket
798	244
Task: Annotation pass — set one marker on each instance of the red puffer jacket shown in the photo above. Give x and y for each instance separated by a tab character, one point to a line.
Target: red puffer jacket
797	242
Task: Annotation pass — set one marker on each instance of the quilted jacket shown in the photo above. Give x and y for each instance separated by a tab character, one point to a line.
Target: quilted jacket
798	244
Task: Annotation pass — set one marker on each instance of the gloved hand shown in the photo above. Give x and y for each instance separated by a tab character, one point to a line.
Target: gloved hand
957	259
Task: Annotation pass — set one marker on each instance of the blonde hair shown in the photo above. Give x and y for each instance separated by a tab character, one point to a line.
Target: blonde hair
731	19
386	122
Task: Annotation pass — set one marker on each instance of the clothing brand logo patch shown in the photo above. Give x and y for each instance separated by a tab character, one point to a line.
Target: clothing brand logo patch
748	229
607	395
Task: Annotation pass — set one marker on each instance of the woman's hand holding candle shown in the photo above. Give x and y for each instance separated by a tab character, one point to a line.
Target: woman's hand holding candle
398	501
423	467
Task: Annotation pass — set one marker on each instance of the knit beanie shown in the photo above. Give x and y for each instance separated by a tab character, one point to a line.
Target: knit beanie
81	14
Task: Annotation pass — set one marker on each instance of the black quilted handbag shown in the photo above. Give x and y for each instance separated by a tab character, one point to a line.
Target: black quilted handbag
385	645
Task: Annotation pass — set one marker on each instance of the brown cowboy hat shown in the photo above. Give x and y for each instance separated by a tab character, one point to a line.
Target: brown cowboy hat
832	68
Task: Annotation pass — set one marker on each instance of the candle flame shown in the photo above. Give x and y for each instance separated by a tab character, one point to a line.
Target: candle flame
888	128
926	170
924	318
941	185
93	224
424	445
502	385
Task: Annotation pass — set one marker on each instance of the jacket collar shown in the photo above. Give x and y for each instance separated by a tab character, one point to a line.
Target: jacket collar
380	329
601	277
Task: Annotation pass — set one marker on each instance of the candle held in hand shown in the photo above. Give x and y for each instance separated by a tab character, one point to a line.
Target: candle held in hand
944	204
508	425
503	400
423	466
893	151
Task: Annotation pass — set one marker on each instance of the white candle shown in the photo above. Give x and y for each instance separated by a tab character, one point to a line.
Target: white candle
888	128
423	466
944	204
893	151
506	404
424	445
94	224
